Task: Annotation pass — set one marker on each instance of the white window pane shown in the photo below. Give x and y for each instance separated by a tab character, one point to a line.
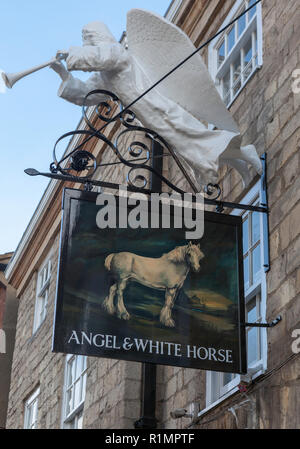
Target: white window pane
258	308
256	263
49	268
252	11
248	54
40	282
215	386
252	345
236	82
69	401
252	313
79	361
28	420
255	49
226	88
231	39
255	227
31	411
245	235
221	53
77	393
227	377
34	414
71	372
241	24
79	421
46	302
246	272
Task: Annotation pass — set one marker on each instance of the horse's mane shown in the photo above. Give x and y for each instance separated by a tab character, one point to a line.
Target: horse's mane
176	255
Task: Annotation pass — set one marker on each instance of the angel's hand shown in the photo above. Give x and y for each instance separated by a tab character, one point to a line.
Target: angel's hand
62	54
59	68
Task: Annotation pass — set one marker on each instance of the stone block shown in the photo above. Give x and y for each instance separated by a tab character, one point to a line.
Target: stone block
290	147
293	256
291	127
293	315
286	111
282	296
274	244
277	273
272	130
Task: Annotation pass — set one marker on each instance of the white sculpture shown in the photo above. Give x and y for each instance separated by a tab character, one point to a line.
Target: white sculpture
175	108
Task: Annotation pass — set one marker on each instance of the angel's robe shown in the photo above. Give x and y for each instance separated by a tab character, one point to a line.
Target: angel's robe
116	70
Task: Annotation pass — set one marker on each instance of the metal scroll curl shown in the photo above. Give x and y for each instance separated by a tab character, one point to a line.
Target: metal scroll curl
213	191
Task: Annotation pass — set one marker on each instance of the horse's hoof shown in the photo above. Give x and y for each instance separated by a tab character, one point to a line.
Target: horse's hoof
124	316
169	323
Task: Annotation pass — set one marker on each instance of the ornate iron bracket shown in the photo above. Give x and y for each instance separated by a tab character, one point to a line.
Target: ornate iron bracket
80	165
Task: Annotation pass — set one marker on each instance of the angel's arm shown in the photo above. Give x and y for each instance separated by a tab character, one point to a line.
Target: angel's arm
103	57
74	90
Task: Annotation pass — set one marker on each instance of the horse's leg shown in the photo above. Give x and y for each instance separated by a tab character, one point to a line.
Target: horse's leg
121	310
108	303
166	312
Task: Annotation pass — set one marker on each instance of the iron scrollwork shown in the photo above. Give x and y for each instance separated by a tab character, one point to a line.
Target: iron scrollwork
83	162
80	164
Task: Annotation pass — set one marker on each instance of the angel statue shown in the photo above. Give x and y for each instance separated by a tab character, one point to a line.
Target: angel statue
176	108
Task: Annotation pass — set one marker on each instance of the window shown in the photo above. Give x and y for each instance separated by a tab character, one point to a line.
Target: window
31	410
237	54
220	385
42	293
74	391
172	10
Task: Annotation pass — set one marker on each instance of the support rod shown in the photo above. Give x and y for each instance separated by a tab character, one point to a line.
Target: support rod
148	419
33	172
271	324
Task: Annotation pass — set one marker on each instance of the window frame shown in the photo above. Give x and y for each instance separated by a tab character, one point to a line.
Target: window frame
254	25
30	402
42	291
77	412
258	367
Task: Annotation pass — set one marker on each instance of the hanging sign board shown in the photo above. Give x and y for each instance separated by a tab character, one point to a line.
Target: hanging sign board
149	294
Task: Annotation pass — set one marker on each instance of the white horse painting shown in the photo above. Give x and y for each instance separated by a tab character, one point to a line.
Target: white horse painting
167	273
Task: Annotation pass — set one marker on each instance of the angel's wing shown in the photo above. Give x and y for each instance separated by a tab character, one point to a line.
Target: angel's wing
159	46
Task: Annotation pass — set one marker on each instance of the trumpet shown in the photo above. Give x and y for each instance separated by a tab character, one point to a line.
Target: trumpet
11	78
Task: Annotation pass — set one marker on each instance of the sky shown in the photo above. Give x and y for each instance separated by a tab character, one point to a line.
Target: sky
32	116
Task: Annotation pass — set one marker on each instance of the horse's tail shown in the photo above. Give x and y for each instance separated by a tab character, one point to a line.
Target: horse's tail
107	262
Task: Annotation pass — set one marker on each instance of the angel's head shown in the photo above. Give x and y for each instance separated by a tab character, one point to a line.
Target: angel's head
95	33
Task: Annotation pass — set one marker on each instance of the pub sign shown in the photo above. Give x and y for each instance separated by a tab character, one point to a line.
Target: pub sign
149	294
